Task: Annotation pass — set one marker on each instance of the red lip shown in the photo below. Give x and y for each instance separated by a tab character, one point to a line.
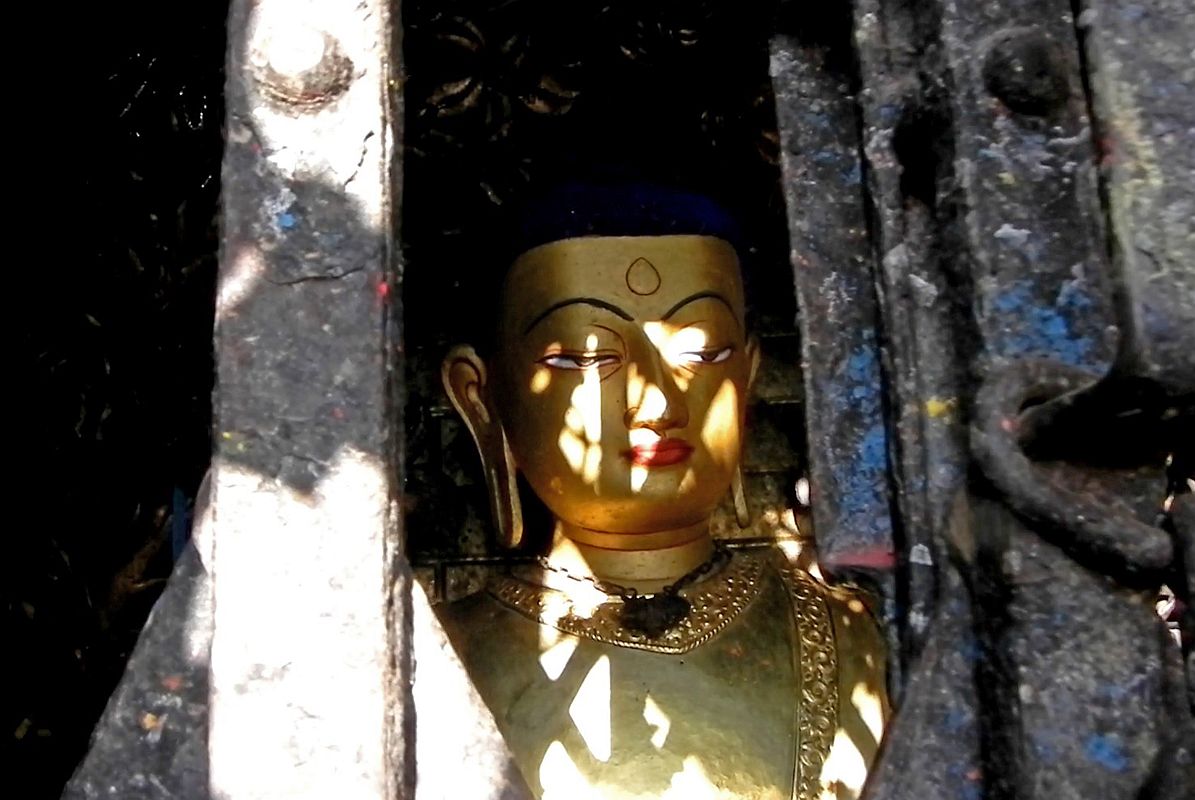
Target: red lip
659	454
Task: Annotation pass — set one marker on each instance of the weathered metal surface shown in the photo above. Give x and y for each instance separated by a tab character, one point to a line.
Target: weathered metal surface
932	747
1098	530
846	429
981	175
310	655
1025	164
1047	598
152	739
1140	71
908	149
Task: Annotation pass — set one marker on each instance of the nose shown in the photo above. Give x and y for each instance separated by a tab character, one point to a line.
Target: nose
654	399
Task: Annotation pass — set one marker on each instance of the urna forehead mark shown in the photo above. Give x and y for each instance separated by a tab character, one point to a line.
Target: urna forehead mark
642	277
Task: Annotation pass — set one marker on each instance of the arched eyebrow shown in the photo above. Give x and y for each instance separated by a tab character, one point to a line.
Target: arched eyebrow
701	296
572	301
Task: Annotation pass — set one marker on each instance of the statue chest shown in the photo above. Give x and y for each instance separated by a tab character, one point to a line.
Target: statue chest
592	719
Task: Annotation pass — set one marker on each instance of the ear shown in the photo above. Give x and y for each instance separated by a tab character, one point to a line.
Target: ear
752	351
464	376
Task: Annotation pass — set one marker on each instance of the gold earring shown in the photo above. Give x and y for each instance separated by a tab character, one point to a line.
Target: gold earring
503	489
742	514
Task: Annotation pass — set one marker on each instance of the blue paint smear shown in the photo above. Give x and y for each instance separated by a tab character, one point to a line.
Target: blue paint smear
1133	13
853	175
286	220
1123	691
816	120
860	472
956	720
1107	751
970	649
1114	691
1029	329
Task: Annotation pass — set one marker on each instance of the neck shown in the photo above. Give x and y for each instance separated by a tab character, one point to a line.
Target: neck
648	562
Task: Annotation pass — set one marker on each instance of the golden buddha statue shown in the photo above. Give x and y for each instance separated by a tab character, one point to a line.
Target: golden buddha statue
638	658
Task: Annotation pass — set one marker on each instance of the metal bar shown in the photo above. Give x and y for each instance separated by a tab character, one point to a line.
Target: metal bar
847	434
309	654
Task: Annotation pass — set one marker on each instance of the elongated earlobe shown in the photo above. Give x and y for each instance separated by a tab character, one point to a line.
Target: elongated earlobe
753	356
464	376
742	514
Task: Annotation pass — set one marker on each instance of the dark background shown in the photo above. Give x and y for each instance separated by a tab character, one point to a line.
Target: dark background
115	178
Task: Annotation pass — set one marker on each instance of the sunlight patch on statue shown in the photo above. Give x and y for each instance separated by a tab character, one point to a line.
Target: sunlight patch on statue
553	660
672	345
638	478
541	380
654	405
692	783
636	386
580	441
561	779
572	447
721	423
590	709
844	767
654	716
870	708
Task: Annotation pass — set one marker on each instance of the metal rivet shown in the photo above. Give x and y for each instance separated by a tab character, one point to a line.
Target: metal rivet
1026	71
299	68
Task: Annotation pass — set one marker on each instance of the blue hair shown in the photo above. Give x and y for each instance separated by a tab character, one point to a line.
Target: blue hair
578	209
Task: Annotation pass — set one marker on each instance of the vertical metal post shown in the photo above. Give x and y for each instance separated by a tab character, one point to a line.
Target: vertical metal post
309	650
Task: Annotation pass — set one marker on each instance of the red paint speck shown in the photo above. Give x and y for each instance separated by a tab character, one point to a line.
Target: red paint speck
383	290
869	557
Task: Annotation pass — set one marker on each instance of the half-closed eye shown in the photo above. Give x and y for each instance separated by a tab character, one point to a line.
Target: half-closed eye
706	356
579	360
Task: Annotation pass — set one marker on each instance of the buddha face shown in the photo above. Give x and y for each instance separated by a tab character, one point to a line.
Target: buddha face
620	374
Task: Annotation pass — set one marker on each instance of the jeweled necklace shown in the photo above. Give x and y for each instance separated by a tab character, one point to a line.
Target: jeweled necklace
652	614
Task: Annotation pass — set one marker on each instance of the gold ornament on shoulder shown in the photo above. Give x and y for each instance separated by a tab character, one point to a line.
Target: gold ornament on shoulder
817	665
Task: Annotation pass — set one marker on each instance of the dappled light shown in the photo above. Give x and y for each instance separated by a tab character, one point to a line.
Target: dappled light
541	380
590	709
580	440
656	375
722	420
692	782
654	716
638	478
555	658
844	768
560	778
870	708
